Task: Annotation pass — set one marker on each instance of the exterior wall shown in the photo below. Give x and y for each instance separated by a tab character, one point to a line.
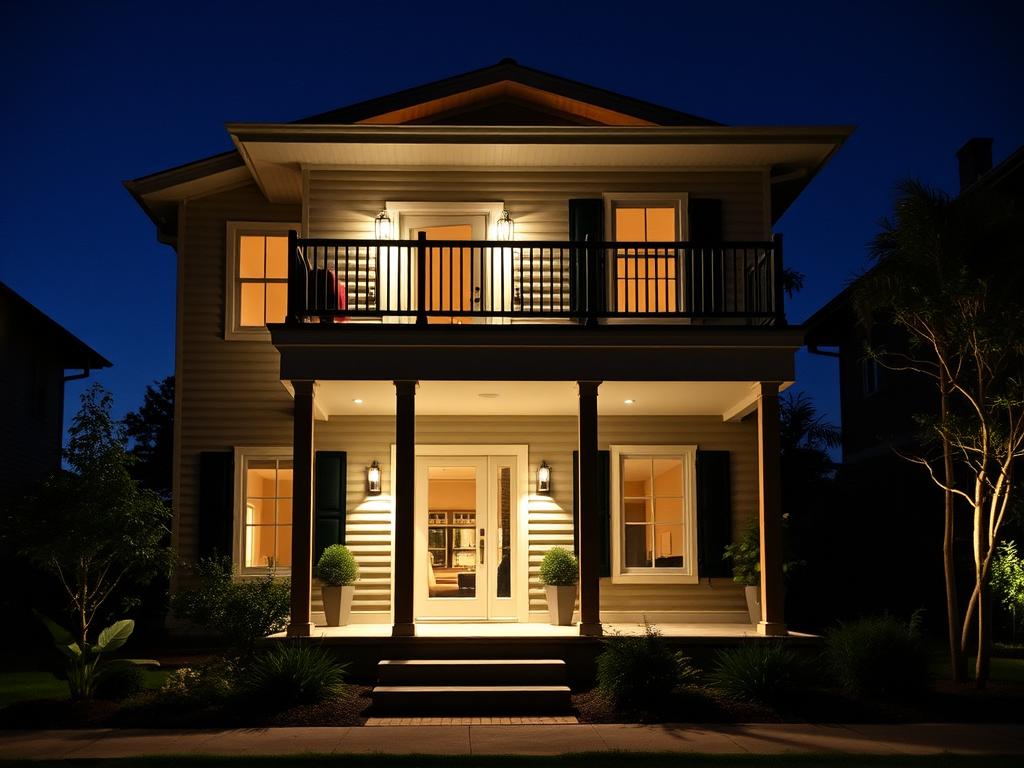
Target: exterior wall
32	392
229	392
552	439
342	203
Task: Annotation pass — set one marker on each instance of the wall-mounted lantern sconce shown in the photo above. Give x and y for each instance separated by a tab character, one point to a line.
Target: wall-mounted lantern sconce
543	478
504	228
373	479
382	225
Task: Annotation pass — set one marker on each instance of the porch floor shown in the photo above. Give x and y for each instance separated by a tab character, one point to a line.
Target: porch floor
538	630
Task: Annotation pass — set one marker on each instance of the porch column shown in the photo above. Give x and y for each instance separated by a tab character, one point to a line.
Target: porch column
404	490
770	509
299	624
590	526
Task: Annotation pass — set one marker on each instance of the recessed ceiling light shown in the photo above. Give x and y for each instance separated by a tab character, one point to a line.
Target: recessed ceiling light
629	402
358	401
488	395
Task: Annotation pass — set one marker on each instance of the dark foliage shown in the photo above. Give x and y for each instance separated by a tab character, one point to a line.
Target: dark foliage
291	675
151	432
878	656
640	672
757	673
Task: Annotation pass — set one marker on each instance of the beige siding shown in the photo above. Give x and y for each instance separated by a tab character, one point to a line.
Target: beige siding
550	523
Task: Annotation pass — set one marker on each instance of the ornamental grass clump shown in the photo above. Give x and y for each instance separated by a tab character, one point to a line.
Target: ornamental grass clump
293	674
559	568
639	672
763	673
878	656
337	566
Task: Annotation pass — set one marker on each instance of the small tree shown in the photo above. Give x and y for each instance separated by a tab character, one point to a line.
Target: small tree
948	275
92	526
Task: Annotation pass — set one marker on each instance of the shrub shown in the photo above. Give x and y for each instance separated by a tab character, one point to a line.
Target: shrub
241	612
200	686
879	655
559	568
746	556
337	567
1008	583
640	671
293	674
119	682
758	673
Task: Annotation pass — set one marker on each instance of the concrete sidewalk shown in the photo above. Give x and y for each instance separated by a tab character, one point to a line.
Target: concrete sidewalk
918	739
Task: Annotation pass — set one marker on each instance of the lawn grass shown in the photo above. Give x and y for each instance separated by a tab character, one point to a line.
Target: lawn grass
33	684
582	760
1003	668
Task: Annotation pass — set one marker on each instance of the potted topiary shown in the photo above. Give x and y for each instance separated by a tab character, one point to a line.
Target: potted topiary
559	572
338	570
746	567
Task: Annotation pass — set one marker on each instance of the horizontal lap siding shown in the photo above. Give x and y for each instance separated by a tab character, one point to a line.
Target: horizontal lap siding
552	439
231	392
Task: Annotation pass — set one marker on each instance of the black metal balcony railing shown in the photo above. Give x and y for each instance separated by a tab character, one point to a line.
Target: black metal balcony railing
454	281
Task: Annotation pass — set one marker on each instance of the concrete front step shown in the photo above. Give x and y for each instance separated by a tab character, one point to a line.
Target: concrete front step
470	699
406	672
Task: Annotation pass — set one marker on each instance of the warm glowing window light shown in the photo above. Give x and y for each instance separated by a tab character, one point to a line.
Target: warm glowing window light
645	279
263	279
268	513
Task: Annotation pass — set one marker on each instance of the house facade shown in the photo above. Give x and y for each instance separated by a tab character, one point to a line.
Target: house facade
461	324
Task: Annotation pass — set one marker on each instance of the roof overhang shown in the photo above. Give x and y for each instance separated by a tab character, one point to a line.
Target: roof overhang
276	153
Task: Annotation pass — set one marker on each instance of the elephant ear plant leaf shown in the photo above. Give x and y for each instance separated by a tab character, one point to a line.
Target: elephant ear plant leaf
82	665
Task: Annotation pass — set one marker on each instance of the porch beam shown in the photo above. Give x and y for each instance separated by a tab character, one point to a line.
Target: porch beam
299	624
773	620
404	490
590	526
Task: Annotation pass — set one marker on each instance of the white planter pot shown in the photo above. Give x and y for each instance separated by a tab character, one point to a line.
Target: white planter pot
753	595
338	604
561	602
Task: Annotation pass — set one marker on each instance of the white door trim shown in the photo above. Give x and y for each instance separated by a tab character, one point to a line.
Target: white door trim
521	543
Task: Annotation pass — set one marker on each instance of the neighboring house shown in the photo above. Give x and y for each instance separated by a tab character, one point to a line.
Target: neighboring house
898	507
878	405
36	352
457	325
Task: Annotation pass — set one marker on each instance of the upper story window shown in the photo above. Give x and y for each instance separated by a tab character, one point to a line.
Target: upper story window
646	279
654	514
870	377
264	530
257	269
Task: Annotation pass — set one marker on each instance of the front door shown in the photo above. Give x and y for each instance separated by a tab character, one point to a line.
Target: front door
465	512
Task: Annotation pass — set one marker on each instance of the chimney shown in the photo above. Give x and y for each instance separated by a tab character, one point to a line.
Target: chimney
975	158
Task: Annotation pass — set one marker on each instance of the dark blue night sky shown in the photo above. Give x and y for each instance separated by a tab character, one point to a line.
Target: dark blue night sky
95	93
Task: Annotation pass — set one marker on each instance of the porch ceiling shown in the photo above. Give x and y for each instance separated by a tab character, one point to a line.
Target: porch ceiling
727	399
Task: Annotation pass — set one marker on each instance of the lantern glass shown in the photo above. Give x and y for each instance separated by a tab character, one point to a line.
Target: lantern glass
373	479
543	478
382	225
504	227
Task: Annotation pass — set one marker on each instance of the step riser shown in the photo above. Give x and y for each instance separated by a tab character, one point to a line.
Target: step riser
532	674
434	703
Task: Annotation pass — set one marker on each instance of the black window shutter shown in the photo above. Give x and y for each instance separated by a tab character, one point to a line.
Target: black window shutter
604	507
714	512
330	498
586	224
705	291
216	503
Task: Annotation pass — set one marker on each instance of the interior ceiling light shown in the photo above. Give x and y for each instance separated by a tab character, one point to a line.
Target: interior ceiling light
358	401
629	402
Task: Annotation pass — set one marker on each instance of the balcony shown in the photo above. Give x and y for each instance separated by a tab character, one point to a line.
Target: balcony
501	282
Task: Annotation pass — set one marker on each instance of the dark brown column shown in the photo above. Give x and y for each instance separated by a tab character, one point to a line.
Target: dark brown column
773	620
302	509
405	504
590	525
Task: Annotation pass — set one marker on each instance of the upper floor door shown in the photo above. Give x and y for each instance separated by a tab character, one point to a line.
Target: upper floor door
455	276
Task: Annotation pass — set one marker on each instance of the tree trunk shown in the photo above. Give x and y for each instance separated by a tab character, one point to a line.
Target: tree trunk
957	658
983	662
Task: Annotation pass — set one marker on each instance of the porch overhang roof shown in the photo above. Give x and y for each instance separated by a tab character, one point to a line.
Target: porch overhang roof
275	154
536	353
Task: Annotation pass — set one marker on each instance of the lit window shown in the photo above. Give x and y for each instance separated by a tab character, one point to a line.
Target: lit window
267	519
646	278
257	289
654	513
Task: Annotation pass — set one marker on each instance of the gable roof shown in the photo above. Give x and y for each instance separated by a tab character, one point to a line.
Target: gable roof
71	351
506	80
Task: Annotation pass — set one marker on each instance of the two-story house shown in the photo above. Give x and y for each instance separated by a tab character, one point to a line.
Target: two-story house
460	324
